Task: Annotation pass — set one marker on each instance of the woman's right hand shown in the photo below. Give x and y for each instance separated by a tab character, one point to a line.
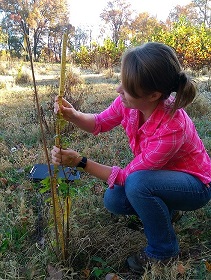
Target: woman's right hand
84	121
66	109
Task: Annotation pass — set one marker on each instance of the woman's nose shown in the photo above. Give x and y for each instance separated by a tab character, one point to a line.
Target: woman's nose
119	89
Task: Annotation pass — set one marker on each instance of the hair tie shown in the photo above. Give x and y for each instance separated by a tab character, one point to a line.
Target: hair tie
176	84
180	79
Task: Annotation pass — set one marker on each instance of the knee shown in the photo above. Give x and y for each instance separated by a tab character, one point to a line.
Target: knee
131	185
110	201
107	199
116	201
135	183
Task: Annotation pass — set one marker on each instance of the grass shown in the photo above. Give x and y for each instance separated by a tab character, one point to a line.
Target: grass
99	242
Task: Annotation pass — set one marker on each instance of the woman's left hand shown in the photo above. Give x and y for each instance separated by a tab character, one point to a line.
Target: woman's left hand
67	157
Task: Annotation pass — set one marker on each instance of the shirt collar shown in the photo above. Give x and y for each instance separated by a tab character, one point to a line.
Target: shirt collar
163	108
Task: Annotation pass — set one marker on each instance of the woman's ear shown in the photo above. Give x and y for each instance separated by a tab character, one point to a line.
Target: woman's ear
155	96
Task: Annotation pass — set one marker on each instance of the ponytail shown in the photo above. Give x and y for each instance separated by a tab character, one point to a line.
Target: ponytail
185	91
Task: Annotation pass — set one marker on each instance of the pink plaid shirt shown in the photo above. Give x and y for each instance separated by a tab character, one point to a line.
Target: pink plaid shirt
162	142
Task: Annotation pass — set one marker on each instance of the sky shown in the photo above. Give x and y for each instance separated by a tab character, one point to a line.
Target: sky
86	12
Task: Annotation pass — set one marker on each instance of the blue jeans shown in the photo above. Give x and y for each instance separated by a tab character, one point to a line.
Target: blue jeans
153	196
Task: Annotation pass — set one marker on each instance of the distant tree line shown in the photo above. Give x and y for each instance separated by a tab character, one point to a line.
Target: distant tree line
187	29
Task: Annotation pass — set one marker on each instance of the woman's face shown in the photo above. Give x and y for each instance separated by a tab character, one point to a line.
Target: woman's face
141	103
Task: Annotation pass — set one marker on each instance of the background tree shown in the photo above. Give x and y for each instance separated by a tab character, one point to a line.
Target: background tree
116	15
45	16
204	11
197	12
143	27
39	15
187	11
80	38
55	34
191	42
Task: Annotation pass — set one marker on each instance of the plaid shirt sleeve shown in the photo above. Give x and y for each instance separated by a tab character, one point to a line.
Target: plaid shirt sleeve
109	118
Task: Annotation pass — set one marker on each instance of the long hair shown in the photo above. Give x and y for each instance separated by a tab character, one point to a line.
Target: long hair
155	67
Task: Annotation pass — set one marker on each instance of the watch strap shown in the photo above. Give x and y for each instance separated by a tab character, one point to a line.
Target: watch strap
82	163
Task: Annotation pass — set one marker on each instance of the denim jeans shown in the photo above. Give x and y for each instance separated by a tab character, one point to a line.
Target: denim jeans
153	196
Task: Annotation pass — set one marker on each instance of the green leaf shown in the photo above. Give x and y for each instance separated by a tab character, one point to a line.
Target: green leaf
45	182
45	189
97	271
63	187
46	185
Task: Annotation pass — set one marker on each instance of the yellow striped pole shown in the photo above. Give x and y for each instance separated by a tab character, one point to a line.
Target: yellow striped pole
58	214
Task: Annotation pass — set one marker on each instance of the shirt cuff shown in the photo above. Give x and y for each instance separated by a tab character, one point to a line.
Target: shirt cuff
112	177
97	127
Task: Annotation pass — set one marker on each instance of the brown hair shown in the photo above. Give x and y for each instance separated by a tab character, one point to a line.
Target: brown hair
155	67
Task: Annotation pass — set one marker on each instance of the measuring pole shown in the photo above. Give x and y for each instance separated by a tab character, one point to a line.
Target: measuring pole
58	210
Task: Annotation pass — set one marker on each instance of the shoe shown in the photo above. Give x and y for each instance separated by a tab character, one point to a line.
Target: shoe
138	262
177	215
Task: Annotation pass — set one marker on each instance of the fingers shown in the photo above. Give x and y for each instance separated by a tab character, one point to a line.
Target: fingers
56	107
65	103
61	108
63	157
56	156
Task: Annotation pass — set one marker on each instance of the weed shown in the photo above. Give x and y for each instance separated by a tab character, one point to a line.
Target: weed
101	268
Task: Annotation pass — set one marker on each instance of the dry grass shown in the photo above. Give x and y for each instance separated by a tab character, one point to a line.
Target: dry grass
98	239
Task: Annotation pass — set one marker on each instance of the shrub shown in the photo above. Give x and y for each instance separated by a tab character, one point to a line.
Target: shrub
2	85
3	70
199	107
72	79
22	77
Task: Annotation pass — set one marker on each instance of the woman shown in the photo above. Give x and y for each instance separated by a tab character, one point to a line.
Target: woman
171	169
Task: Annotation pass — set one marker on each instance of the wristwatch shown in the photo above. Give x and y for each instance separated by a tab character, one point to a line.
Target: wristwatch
82	163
